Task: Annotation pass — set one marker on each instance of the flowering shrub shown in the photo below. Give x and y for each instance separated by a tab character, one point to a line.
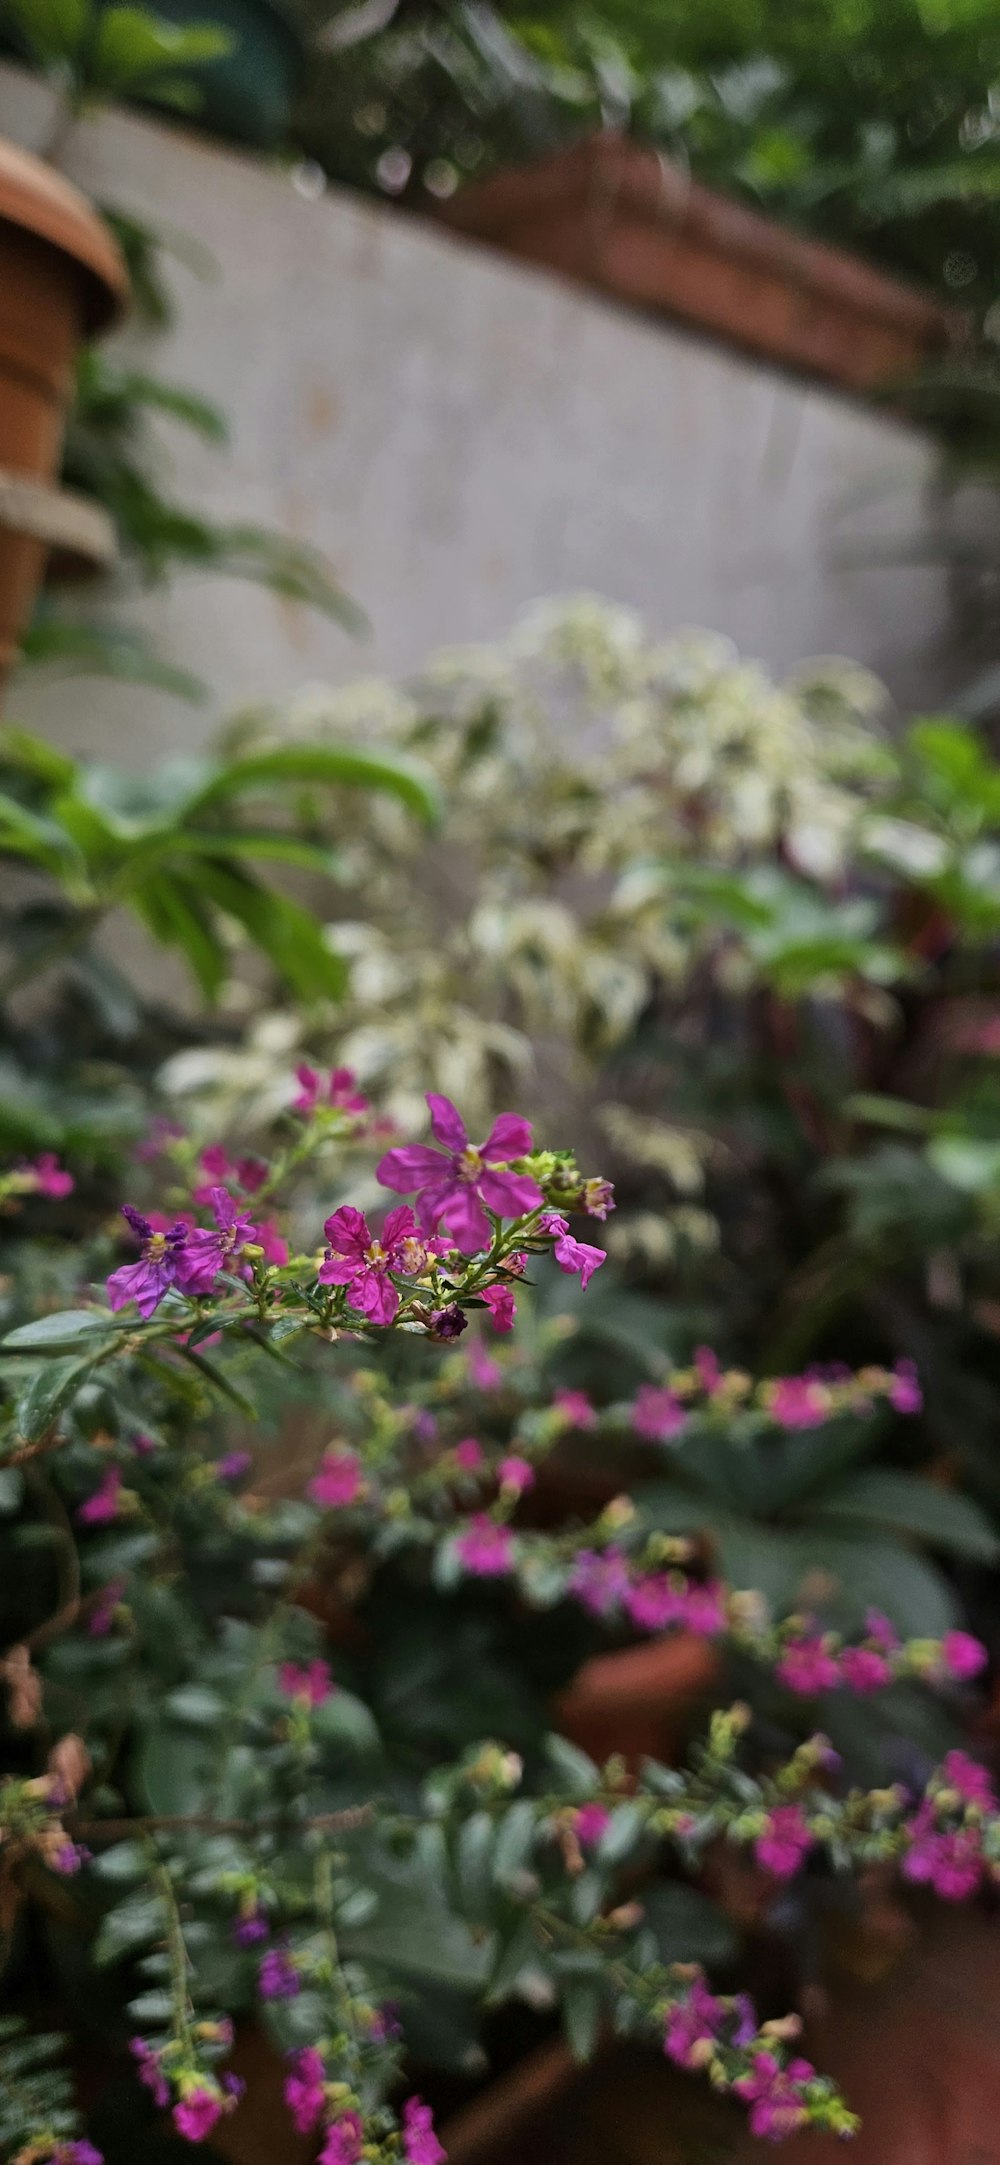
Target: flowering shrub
210	1780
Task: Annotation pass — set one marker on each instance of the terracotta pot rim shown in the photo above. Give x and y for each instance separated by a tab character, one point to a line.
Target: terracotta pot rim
36	198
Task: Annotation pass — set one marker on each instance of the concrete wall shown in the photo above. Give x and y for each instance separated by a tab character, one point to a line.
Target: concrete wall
462	436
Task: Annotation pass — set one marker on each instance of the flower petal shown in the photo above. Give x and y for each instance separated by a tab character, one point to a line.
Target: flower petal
447	1125
510	1195
398	1225
466	1220
347	1231
509	1137
374	1295
411	1167
432	1201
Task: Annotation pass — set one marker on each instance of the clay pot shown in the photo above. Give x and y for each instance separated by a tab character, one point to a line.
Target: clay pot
611	214
637	1701
62	279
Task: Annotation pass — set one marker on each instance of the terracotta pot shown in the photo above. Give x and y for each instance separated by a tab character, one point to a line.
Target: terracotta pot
62	279
611	214
637	1701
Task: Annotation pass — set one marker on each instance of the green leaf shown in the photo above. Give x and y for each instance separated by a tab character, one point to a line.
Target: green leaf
195	1706
282	929
131	1925
881	1495
333	765
582	2007
49	1390
176	915
53	1334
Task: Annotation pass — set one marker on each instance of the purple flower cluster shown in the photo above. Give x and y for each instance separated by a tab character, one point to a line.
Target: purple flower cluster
945	1834
459	1183
181	1255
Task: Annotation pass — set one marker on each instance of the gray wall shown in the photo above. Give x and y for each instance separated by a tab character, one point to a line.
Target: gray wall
462	436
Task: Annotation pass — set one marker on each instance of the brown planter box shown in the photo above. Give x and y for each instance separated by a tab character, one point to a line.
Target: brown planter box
621	218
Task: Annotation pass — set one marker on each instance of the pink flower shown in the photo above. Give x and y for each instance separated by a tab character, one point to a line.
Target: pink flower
773	2094
705	1609
863	1669
273	1242
343	2142
105	1503
798	1402
785	1841
502	1306
457	1189
277	1977
51	1178
972	1781
162	1263
233	1465
517	1474
304	2093
362	1262
658	1415
807	1668
484	1371
576	1409
309	1681
340	1091
469	1455
708	1370
420	2144
592	1821
576	1257
694	2021
209	1252
905	1394
196	2114
150	2071
964	1656
598	1197
655	1601
337	1481
950	1862
102	1614
882	1629
600	1580
486	1549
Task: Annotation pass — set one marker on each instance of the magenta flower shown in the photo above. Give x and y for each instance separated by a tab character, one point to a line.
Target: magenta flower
658	1415
705	1609
277	1977
600	1580
196	2114
273	1243
162	1263
576	1257
517	1474
207	1253
50	1178
80	2152
150	2071
102	1614
796	1402
343	2142
970	1779
864	1669
905	1394
592	1821
773	2093
502	1306
784	1841
447	1323
420	2144
950	1862
68	1859
598	1198
251	1928
459	1183
469	1454
486	1549
882	1630
337	1481
233	1465
694	2022
708	1370
576	1409
963	1655
484	1371
655	1601
308	1681
807	1667
340	1091
362	1262
304	2091
105	1503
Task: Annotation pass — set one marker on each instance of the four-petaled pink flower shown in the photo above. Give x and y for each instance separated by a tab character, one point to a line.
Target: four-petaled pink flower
798	1402
50	1178
807	1667
209	1252
517	1474
658	1415
486	1549
309	1681
337	1481
459	1183
341	1091
195	2115
576	1257
304	2088
363	1261
784	1841
576	1409
502	1306
162	1263
420	2144
773	2093
105	1503
963	1655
